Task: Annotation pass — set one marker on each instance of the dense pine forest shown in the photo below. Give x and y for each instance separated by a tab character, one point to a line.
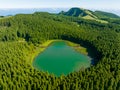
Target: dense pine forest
21	34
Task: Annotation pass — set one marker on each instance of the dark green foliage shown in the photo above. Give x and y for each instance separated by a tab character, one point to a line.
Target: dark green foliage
1	16
19	35
113	20
76	12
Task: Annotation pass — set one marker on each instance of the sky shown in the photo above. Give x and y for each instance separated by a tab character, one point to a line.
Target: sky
92	4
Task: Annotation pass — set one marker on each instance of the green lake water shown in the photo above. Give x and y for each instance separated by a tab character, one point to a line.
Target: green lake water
59	58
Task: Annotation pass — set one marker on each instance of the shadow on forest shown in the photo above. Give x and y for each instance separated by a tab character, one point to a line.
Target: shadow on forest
92	51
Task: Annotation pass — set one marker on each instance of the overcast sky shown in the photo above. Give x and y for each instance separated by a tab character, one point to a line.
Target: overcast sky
95	4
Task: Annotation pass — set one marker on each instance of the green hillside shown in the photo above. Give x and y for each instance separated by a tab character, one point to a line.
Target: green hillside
102	14
22	35
79	12
99	16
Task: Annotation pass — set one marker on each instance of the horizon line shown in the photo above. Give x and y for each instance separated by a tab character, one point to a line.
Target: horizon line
58	8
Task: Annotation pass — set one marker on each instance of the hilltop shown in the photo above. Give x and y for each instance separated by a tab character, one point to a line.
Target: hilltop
88	14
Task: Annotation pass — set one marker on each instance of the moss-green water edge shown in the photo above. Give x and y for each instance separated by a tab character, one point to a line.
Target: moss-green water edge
64	61
78	47
41	47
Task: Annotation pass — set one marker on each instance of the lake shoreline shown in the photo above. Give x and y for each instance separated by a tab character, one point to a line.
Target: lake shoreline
41	47
60	53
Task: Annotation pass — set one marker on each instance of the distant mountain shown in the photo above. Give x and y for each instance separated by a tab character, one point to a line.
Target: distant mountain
102	14
79	12
88	14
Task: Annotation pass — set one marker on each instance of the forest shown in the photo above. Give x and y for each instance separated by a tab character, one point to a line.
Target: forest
21	34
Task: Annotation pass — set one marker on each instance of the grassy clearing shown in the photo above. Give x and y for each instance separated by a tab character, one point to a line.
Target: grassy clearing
92	18
37	50
77	47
